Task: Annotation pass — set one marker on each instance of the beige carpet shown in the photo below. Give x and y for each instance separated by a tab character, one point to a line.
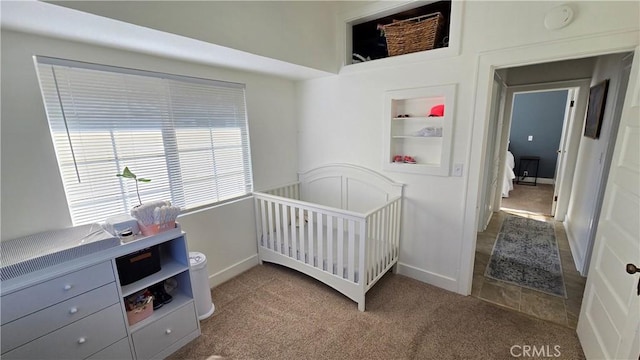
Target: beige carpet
271	312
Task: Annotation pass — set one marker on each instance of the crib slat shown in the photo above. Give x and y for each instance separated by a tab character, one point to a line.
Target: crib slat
302	234
276	208
319	224
351	255
340	269
380	258
285	229
362	255
373	250
396	220
381	241
265	239
385	237
378	243
310	236
294	235
369	248
270	225
389	236
392	231
330	243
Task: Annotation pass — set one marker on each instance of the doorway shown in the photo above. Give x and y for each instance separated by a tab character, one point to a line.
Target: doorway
537	124
564	309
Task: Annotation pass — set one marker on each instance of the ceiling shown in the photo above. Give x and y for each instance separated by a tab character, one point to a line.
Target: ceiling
53	21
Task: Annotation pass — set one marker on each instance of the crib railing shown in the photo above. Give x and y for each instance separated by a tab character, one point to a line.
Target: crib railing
383	237
327	239
291	191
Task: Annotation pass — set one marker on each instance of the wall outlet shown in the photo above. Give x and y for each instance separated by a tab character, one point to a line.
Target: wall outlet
525	173
530	138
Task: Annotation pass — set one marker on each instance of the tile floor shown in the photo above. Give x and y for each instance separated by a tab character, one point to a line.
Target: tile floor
531	302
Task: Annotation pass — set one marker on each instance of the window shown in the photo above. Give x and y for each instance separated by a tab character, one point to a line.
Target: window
188	135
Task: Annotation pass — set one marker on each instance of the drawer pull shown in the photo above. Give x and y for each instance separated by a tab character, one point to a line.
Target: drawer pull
168	331
73	310
82	340
67	287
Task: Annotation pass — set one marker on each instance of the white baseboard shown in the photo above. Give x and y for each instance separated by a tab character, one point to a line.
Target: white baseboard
574	246
428	277
539	180
233	271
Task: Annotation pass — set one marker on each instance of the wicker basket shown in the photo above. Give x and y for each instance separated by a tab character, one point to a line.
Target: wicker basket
411	35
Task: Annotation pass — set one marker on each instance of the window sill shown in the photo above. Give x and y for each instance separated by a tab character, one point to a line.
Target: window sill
215	205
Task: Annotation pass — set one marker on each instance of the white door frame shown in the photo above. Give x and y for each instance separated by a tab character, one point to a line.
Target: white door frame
561	160
493	181
487	63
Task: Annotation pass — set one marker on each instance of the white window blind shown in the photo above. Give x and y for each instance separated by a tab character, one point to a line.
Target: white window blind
188	135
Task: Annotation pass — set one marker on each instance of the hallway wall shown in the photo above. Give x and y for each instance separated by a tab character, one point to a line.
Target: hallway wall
590	166
540	115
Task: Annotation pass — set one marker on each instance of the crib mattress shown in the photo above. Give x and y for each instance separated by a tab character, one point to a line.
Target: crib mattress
387	254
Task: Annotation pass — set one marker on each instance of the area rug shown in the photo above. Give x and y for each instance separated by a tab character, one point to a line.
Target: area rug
526	254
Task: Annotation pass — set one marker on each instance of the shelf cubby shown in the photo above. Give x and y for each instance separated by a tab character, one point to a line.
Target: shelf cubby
413	129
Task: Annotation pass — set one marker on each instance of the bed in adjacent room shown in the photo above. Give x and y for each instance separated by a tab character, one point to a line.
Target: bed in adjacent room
509	175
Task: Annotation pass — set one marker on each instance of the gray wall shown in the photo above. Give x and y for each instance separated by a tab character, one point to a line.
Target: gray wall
540	114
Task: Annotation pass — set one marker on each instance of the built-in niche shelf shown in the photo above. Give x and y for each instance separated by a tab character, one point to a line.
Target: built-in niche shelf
365	38
419	125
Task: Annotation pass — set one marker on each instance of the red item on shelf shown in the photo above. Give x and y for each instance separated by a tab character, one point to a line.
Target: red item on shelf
437	110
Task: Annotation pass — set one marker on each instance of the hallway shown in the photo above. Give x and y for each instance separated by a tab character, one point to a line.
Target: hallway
530	302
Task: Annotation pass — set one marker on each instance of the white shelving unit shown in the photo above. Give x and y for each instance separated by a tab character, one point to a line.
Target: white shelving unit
410	131
76	309
165	324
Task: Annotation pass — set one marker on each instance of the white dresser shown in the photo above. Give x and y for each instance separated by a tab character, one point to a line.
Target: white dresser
75	309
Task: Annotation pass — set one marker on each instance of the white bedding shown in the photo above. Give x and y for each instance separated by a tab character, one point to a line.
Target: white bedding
509	175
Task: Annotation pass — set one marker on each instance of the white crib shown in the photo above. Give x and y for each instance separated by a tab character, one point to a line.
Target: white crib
339	224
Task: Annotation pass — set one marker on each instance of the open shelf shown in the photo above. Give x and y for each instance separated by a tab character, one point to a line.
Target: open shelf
368	40
170	268
414	127
179	299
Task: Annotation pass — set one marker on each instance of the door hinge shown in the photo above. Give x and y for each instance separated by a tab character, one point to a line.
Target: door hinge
555	198
572	103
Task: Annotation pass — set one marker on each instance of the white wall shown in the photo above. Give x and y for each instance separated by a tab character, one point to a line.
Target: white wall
33	198
548	72
300	32
341	119
579	222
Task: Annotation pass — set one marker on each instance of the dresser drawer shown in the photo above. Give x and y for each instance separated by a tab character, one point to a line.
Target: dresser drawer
160	334
34	298
118	351
42	322
77	340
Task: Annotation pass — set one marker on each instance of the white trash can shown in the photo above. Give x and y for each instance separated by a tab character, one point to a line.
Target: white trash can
200	284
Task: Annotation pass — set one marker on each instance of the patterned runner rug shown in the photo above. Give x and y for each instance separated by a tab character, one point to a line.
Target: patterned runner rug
526	254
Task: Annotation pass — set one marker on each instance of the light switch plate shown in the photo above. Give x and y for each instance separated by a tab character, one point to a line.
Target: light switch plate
530	138
457	170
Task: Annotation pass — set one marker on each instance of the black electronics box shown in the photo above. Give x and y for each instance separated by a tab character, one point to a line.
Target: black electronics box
139	264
